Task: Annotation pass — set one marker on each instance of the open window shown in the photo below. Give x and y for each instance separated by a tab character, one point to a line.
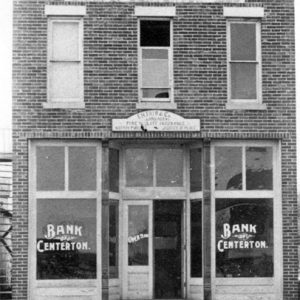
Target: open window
155	60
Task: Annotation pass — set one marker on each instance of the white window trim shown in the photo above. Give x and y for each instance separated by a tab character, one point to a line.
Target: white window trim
275	282
244	12
65	10
61	287
65	102
251	104
156	103
155	11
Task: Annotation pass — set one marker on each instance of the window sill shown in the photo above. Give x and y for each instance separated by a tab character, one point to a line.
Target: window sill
64	105
246	106
156	105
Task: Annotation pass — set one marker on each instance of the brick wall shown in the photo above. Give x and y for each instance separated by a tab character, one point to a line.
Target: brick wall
110	91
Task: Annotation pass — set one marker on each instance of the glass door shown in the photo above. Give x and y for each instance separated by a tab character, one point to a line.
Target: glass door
138	257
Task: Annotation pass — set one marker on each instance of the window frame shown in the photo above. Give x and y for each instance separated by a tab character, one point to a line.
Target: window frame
159	102
274	194
65	102
245	103
38	286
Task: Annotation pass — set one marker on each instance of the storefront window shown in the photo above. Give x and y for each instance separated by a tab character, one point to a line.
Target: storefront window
196	170
196	238
228	170
169	167
244	237
66	238
114	170
50	173
138	235
139	167
113	239
82	168
259	174
154	167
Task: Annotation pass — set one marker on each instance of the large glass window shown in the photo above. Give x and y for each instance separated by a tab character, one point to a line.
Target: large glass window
66	211
155	60
244	237
244	220
66	238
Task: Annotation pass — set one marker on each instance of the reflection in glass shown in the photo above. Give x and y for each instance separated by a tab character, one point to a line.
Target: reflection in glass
195	170
82	168
228	168
244	237
259	171
50	169
139	167
169	167
114	170
66	238
113	239
138	235
196	238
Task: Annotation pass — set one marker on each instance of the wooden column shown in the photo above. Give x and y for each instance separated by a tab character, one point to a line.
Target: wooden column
105	219
206	221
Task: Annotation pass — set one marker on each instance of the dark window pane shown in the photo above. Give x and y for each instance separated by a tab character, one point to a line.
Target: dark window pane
66	238
82	168
114	170
139	167
50	168
155	33
243	41
113	240
228	168
138	235
244	237
243	81
196	239
195	170
169	167
259	170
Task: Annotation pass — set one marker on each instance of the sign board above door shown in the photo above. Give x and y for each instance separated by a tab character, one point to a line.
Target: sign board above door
156	120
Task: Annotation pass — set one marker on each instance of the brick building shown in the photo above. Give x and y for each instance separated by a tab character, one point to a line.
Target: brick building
154	150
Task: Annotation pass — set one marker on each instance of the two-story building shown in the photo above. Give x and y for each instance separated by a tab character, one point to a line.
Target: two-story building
154	150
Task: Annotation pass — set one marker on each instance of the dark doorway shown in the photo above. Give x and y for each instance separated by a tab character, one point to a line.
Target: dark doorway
167	249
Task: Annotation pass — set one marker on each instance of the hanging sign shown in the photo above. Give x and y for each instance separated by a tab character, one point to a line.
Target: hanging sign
239	236
156	120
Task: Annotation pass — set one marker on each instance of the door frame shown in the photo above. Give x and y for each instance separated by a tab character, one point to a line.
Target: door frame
125	267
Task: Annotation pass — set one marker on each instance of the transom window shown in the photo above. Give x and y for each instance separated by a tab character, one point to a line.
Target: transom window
155	57
154	167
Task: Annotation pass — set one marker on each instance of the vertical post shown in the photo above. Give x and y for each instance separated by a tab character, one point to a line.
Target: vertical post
206	221
105	219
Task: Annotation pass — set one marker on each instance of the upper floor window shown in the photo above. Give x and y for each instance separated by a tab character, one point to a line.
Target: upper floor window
244	62
155	60
65	60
